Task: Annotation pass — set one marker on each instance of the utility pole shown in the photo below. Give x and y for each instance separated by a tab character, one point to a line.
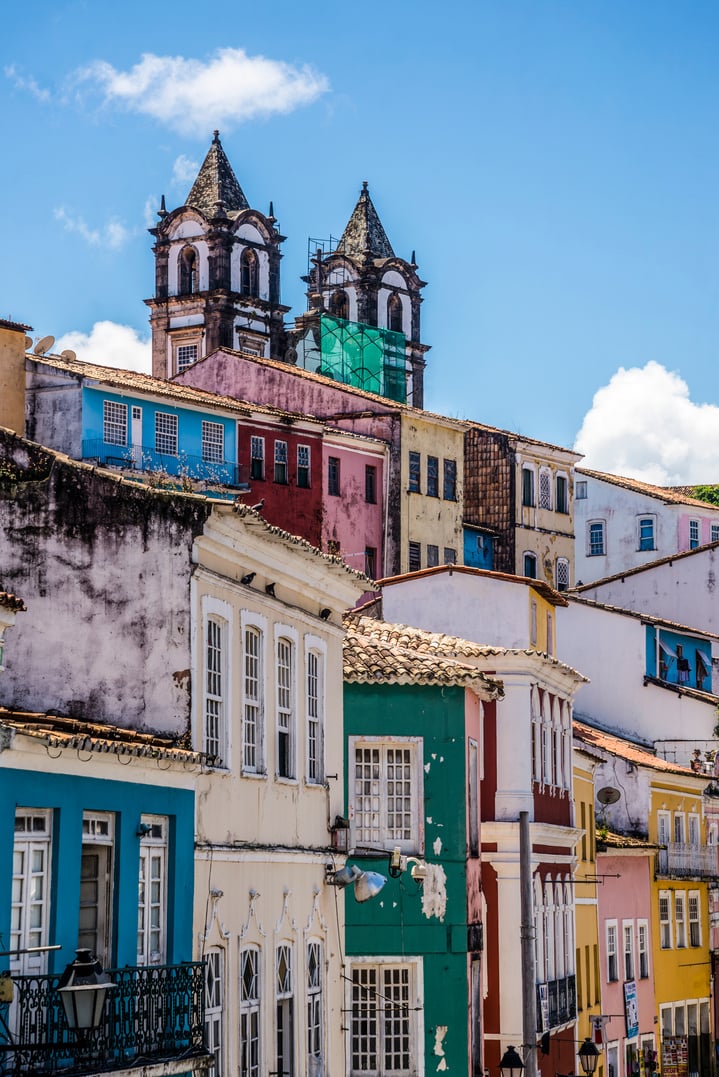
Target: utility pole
529	995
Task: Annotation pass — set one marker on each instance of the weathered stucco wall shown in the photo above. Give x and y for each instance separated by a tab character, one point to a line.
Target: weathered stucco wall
104	568
53	408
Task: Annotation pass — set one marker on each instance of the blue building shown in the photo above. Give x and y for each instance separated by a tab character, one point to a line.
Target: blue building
478	547
677	657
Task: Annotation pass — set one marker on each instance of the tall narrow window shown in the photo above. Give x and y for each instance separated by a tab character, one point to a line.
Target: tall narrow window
340	305
680	919
545	489
285	709
384	1030
257	458
665	923
253	701
530	565
562	574
152	895
187	271
213	442
562	501
432	555
285	1012
250	1012
114	425
612	970
596	538
370	484
528	486
30	903
315	717
643	944
214	1008
303	466
214	745
432	476
646	533
415	557
394	313
628	951
715	533
414	486
370	562
693	534
96	875
315	1007
165	434
694	919
473	795
281	462
333	476
449	491
248	273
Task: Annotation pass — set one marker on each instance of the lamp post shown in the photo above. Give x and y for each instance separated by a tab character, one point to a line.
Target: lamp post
83	987
588	1057
511	1064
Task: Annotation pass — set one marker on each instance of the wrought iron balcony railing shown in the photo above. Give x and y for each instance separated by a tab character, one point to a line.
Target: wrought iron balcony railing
681	861
561	1002
153	1015
180	465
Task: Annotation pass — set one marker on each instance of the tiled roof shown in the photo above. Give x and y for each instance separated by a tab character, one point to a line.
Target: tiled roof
216	182
56	731
671	495
645	618
612	840
625	749
668	560
364	233
371	657
12	602
543	588
437	644
18	327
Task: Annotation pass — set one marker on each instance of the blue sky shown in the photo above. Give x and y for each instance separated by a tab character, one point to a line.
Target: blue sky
555	166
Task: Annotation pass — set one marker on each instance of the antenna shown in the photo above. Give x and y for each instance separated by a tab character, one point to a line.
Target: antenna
44	345
608	795
69	354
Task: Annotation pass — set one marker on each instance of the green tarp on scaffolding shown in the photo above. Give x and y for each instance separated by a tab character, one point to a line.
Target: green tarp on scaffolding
363	356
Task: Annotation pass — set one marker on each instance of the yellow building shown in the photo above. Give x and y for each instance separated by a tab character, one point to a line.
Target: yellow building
588	983
12	375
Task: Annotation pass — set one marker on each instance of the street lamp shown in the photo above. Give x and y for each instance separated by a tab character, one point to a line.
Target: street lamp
588	1057
511	1064
83	987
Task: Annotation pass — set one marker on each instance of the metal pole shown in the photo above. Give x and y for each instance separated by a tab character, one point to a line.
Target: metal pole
529	995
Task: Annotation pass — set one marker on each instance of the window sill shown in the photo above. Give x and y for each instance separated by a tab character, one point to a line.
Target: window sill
255	775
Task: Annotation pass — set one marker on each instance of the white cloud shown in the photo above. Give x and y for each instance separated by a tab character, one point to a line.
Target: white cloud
193	96
184	170
109	344
27	82
644	425
112	234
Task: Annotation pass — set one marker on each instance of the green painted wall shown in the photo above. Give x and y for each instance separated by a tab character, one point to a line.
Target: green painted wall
393	923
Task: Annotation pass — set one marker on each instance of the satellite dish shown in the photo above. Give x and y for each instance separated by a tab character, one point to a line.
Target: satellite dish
28	343
608	795
69	354
44	345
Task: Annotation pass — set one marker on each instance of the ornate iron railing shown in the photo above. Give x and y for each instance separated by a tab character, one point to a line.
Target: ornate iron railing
682	861
561	1002
177	466
153	1014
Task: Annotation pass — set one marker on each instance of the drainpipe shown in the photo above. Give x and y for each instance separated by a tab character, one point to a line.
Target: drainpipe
529	994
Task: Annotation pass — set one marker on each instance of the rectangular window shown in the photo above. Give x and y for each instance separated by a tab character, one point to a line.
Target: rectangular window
414	473
432	476
596	538
370	562
643	943
385	794
315	1007
315	717
646	533
114	423
432	555
285	709
665	922
628	951
252	761
530	565
695	935
30	904
284	1011
370	484
715	533
384	1027
679	828
333	476
449	492
473	795
562	574
186	354
581	489
165	434
96	875
612	969
415	557
250	1012
213	442
303	466
450	556
281	462
214	1009
680	923
528	486
257	458
693	534
562	504
545	489
152	892
214	745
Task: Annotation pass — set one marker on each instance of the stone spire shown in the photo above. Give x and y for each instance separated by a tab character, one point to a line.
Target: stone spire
364	234
216	183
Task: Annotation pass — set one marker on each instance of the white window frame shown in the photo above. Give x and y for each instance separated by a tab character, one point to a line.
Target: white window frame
679	828
664	827
304	463
580	490
715	532
694	534
222	614
545	489
562	574
250	1013
152	892
114	422
531	487
374	806
628	955
215	1007
254	753
611	929
315	1006
694	827
257	454
286	700
694	922
281	460
213	442
185	355
381	966
643	955
559	506
315	708
592	544
646	518
31	889
531	554
666	926
285	1009
167	433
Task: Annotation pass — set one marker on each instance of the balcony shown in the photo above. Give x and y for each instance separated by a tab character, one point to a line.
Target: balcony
155	1016
556	1003
680	861
174	471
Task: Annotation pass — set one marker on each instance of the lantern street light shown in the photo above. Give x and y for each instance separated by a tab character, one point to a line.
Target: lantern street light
83	987
511	1064
588	1057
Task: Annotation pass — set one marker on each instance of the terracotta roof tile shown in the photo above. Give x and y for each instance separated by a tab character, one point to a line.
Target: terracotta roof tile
613	840
671	495
626	749
543	588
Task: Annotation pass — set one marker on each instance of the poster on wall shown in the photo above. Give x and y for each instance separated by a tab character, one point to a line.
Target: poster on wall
675	1061
631	1009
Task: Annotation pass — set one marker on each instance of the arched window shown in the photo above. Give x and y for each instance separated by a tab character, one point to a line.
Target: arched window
188	271
394	313
340	305
248	273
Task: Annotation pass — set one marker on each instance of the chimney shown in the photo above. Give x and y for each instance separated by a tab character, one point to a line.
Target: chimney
12	375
